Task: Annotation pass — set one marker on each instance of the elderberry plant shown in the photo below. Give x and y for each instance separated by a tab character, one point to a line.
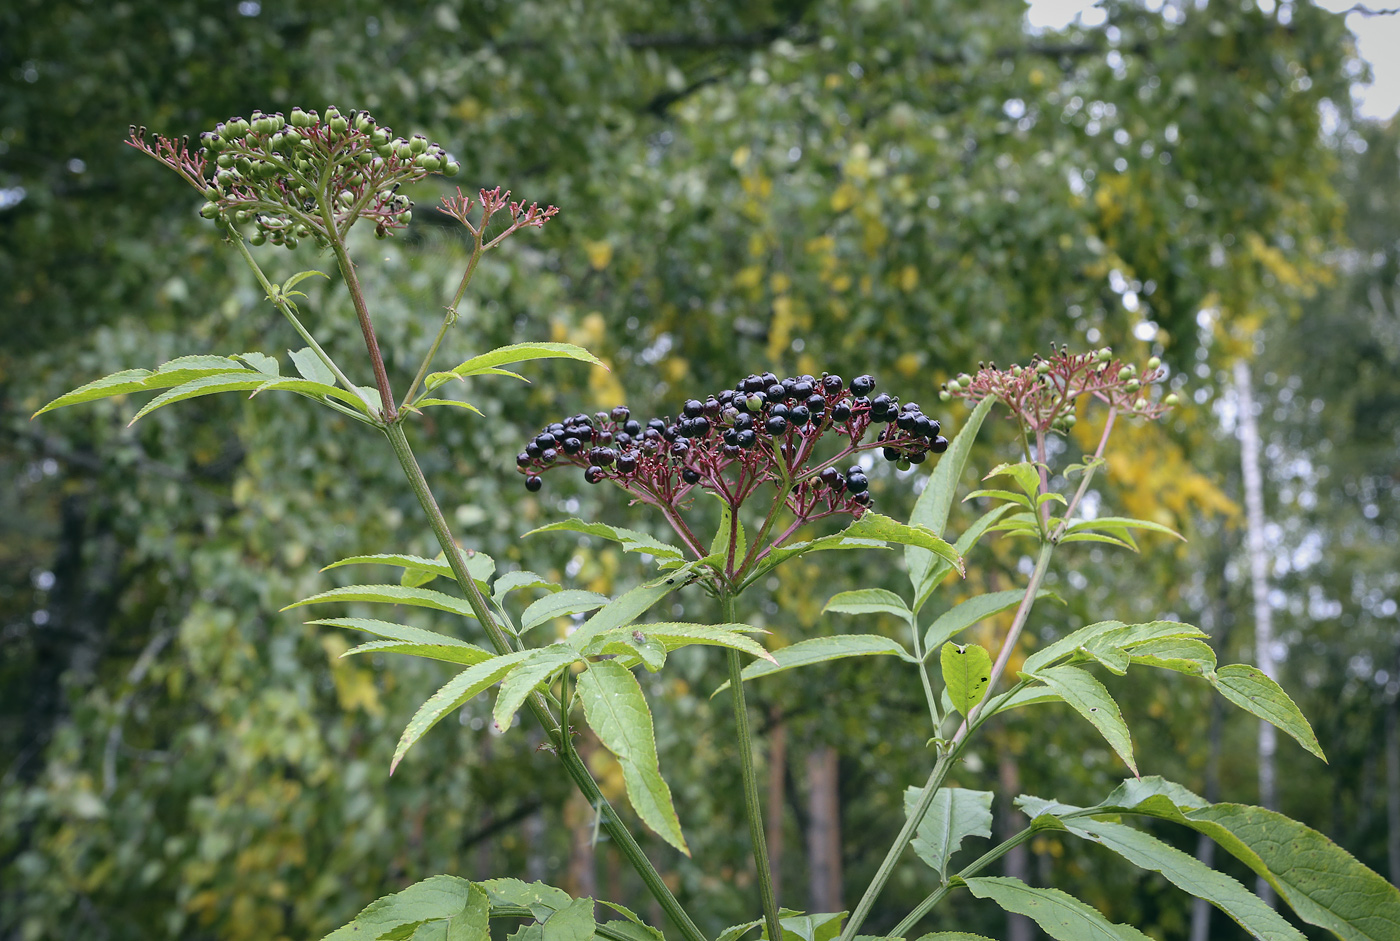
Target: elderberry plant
777	454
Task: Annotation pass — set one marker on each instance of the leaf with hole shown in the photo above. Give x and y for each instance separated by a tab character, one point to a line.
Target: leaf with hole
966	672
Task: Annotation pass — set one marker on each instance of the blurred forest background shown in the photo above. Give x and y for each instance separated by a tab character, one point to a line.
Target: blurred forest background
897	186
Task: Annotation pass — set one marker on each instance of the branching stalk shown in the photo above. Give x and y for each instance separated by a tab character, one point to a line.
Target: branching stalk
574	765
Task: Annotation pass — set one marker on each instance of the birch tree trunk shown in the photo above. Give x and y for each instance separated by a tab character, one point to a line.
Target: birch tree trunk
1259	584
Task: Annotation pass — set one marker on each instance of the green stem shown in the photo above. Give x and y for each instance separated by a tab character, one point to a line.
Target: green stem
275	296
992	855
388	411
447	321
901	843
940	769
573	764
919	654
752	806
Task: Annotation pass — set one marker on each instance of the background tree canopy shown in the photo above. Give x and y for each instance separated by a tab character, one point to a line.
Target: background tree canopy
853	185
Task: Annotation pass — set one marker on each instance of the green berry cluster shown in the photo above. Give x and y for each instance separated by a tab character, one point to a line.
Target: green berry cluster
764	430
1043	393
303	176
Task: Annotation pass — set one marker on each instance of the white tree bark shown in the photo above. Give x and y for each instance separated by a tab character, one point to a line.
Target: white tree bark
1259	583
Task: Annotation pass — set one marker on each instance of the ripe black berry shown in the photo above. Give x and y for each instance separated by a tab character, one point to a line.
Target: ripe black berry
572	445
841	411
775	392
627	461
857	482
829	476
863	385
892	454
523	459
593	474
632	427
690	475
776	425
799	415
549	455
603	456
831	385
693	408
938	445
533	483
746	438
816	403
621	413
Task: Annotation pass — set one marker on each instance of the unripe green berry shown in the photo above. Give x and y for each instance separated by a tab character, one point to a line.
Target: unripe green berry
1125	373
1070	420
1154	362
1132	385
1104	354
945	396
259	237
427	162
1042	368
209	210
363	121
405	217
300	118
1140	404
954	385
1172	400
418	144
339	125
451	168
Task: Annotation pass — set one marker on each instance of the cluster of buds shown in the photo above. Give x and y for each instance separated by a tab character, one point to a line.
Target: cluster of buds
303	176
1042	395
764	430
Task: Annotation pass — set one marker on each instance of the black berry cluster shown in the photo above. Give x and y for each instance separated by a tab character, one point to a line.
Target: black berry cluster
763	430
294	177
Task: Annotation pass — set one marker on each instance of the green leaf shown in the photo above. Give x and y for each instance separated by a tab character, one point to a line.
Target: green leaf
410	563
174	373
719	546
1189	874
629	539
390	594
413	641
1323	883
1059	915
429	403
677	635
573	922
267	365
515	581
825	926
1123	524
1026	474
488	363
301	276
1017	499
1182	654
874	526
560	604
869	601
626	608
819	650
462	687
962	616
1067	645
315	390
617	712
954	935
734	932
1248	688
1025	696
936	501
436	899
841	540
310	366
522	680
1088	697
1084	536
966	672
244	380
954	815
539	898
970	537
